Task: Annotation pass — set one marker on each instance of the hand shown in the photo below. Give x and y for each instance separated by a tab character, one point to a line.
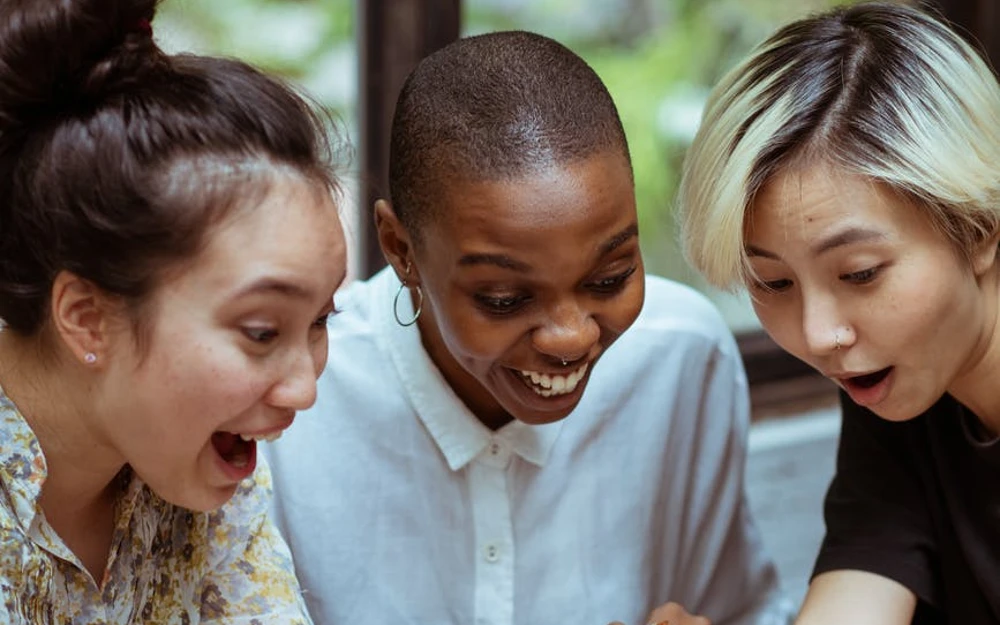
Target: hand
673	614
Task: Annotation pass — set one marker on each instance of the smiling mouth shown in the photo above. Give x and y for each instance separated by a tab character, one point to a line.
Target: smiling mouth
549	385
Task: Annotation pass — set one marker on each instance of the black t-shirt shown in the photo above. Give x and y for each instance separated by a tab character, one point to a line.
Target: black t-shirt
919	502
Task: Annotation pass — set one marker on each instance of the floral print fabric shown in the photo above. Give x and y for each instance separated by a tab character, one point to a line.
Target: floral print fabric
167	565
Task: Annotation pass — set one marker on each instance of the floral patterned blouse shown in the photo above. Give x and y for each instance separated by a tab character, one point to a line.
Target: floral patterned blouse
167	565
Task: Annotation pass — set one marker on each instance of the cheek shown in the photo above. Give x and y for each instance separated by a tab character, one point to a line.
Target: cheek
627	306
471	336
781	324
320	353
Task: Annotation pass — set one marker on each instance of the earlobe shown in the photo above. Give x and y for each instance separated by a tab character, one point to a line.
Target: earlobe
80	317
393	238
985	254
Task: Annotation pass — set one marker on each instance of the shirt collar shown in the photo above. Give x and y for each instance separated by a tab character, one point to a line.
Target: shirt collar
457	432
22	464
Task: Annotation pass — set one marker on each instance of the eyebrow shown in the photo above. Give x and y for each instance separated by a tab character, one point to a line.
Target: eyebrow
274	285
506	262
500	260
848	236
630	231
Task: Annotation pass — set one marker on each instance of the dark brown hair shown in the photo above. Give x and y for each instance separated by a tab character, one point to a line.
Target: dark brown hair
493	107
116	158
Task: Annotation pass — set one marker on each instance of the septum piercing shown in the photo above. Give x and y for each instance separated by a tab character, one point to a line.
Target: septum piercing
564	362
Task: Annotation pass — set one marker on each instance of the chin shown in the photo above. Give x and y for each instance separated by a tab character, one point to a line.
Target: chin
205	499
533	416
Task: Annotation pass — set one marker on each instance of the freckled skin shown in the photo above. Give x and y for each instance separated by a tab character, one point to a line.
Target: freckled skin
201	372
926	311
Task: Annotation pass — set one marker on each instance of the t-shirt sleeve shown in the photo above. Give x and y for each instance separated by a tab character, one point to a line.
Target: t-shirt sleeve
876	509
251	578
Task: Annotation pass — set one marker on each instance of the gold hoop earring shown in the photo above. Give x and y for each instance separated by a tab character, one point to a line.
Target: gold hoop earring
395	301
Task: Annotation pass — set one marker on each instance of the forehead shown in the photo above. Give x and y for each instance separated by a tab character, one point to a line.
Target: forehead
292	231
552	204
805	203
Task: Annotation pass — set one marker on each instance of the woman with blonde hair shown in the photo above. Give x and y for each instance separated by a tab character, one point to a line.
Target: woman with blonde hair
847	174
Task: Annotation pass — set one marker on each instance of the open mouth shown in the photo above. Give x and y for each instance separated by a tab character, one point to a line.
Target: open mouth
869	379
552	385
234	449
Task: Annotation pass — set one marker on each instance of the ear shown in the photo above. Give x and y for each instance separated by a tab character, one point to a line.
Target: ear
81	316
984	254
395	242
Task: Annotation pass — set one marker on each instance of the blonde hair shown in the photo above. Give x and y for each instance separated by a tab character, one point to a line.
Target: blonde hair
879	90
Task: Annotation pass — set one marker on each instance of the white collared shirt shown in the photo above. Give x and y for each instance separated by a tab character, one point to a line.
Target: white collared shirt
401	507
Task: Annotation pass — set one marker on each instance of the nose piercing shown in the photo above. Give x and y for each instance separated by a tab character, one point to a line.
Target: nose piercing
836	339
564	362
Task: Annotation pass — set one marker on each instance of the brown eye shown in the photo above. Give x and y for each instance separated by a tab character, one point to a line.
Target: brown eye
613	284
861	277
501	305
260	334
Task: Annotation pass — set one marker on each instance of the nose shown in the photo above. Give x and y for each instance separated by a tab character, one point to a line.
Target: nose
823	324
296	388
568	333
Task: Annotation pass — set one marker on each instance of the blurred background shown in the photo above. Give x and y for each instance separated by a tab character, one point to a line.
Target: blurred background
659	59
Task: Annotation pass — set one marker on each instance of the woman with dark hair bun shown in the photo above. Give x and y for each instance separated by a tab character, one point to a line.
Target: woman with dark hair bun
169	250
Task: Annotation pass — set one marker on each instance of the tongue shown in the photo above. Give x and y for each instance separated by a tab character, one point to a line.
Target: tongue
232	448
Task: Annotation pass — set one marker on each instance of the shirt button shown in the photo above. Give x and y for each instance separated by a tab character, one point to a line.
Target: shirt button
494	448
492	553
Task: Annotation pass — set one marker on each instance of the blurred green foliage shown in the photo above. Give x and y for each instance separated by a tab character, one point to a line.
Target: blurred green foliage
658	58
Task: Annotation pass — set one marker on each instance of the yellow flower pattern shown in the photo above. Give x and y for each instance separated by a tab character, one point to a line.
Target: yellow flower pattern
167	565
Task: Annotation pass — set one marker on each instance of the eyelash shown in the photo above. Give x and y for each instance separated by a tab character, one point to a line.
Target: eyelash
613	284
865	276
502	306
266	335
862	277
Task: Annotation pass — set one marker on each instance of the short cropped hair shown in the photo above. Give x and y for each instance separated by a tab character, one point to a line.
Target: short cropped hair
494	107
879	90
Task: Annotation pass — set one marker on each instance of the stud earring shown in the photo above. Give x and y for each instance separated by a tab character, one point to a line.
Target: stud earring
90	358
399	292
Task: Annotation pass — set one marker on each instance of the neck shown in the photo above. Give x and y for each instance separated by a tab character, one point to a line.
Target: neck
975	388
56	397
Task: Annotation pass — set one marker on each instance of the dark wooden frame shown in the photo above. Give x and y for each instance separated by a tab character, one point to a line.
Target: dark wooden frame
396	34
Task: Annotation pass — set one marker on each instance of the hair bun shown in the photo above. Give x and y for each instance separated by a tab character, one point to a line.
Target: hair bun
56	55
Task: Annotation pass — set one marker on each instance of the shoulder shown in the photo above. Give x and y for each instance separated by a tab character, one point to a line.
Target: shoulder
678	317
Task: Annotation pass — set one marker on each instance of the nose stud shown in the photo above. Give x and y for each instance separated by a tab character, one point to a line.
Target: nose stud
836	339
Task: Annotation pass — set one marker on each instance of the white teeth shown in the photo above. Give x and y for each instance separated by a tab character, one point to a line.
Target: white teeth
267	438
549	385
